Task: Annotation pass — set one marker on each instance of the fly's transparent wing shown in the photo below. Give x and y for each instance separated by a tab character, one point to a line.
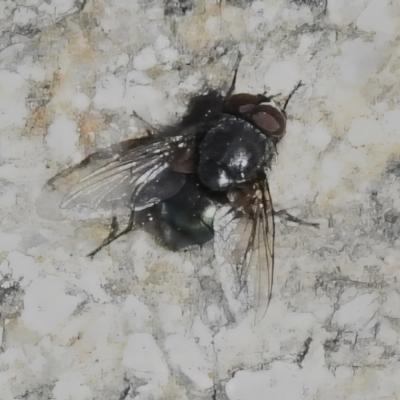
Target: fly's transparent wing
117	180
263	252
249	249
138	174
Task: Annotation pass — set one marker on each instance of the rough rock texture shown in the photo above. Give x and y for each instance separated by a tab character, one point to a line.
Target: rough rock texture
140	322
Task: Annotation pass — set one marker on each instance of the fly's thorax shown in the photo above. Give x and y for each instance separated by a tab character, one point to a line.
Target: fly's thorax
232	152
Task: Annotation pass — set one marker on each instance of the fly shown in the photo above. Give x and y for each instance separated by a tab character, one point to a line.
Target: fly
177	179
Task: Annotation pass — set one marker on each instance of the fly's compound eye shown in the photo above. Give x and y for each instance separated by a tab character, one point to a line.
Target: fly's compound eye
266	122
242	102
260	111
269	119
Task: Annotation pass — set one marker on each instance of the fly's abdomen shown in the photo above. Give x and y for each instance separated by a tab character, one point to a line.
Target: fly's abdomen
187	218
181	229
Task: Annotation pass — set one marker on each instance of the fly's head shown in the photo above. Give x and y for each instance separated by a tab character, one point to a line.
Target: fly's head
261	111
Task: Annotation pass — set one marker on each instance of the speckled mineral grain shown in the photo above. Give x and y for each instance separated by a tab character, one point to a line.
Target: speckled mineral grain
140	322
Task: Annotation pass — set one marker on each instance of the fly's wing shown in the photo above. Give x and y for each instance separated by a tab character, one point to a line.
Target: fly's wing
65	179
249	250
136	173
263	251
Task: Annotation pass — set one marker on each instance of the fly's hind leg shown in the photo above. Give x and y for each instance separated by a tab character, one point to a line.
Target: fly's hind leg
291	218
114	234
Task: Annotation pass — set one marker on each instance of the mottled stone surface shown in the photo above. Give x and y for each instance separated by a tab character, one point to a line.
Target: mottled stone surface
141	322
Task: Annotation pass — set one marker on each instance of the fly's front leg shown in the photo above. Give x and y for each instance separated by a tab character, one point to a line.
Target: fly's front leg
296	88
114	235
291	218
150	130
233	83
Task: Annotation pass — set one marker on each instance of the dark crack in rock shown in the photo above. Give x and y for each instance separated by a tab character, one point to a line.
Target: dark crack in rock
178	7
315	5
394	168
239	3
28	22
11	294
44	392
300	358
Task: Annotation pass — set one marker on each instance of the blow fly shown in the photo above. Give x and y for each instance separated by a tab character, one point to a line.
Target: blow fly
217	156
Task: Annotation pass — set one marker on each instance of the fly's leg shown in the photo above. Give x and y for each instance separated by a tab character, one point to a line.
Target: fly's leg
114	235
150	128
269	98
291	218
232	87
291	94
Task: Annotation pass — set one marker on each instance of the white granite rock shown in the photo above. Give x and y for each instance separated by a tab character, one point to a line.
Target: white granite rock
141	322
